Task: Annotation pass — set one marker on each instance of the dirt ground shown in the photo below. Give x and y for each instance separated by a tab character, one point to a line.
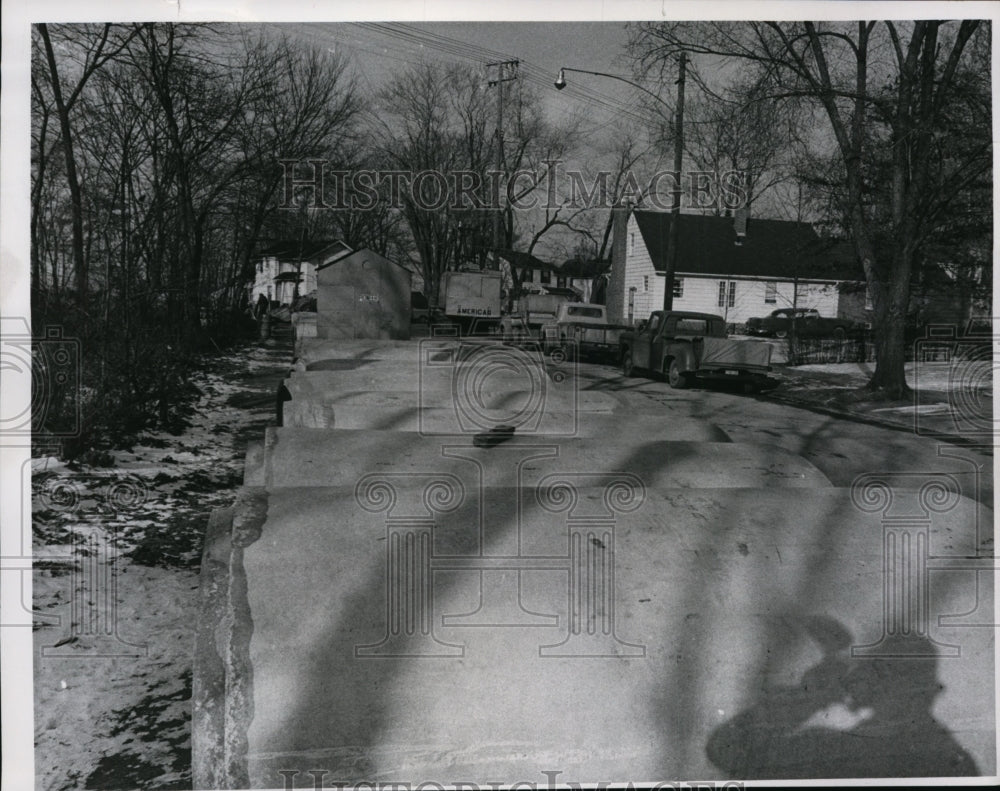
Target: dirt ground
116	585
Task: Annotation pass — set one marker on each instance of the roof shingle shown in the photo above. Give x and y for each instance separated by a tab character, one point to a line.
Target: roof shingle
771	248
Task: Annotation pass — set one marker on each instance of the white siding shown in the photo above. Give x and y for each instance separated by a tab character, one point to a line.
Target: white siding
641	274
308	284
264	276
701	292
269	268
824	297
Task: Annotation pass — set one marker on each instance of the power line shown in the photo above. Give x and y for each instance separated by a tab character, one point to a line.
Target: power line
424	43
533	73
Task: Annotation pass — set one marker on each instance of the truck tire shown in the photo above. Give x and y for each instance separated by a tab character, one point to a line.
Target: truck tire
839	333
675	376
781	333
627	368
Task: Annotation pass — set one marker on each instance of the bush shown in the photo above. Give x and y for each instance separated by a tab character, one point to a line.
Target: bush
129	381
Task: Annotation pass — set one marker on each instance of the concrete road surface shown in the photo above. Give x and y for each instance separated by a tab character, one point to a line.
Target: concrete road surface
686	585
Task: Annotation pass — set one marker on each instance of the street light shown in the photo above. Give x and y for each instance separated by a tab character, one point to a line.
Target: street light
561	83
671	263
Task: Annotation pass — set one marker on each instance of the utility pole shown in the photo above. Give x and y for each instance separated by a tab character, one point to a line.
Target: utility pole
298	267
675	213
506	72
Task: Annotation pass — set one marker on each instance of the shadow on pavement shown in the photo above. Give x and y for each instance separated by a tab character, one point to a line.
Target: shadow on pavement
847	718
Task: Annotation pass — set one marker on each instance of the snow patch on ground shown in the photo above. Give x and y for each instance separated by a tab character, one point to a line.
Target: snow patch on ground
115	585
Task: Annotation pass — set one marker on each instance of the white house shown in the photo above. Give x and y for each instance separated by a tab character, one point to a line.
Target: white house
538	275
284	265
775	264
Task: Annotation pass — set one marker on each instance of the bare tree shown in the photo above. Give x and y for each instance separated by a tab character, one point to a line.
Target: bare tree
743	130
907	73
93	46
442	120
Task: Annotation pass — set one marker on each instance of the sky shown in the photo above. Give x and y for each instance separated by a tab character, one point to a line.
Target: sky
380	50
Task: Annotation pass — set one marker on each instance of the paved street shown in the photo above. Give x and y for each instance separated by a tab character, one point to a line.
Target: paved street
635	583
842	449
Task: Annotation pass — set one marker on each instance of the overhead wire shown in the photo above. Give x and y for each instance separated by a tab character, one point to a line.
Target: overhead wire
368	37
534	74
418	42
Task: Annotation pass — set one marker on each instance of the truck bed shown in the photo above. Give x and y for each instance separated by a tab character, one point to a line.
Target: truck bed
735	353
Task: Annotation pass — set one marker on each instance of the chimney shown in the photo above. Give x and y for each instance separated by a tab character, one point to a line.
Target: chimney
740	224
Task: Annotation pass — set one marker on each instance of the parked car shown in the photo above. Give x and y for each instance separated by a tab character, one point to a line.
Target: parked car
808	323
582	328
683	346
530	313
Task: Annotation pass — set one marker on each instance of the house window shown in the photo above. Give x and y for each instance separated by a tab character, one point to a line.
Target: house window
679	288
561	281
725	301
545	277
771	293
631	242
645	282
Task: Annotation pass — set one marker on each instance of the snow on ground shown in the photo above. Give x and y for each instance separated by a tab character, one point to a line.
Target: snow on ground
116	585
937	376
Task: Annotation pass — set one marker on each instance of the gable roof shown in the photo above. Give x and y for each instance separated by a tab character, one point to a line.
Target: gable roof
525	260
771	248
364	253
290	249
593	267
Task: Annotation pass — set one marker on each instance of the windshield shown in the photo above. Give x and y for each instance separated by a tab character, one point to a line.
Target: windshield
590	313
692	327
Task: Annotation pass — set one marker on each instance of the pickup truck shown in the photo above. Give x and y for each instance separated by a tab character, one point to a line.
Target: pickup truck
581	328
808	323
683	345
531	312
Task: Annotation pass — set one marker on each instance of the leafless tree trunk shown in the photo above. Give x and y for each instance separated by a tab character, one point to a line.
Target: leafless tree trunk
828	63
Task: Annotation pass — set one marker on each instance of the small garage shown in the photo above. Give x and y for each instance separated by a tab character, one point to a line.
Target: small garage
363	295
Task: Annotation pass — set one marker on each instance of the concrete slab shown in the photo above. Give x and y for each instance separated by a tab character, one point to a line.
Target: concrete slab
315	404
315	351
652	635
393	412
335	457
533	376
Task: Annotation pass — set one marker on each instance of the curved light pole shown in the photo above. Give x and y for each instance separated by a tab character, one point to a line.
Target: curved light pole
671	264
561	83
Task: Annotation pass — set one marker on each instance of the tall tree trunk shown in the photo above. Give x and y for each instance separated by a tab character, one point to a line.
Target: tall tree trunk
76	199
